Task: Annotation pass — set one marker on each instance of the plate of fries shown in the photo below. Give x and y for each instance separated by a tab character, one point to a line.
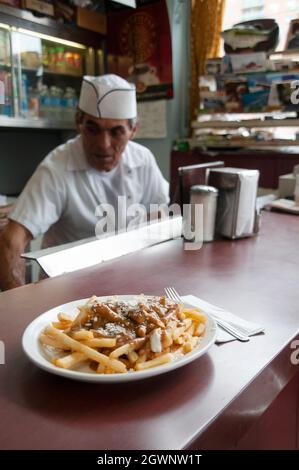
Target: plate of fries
118	338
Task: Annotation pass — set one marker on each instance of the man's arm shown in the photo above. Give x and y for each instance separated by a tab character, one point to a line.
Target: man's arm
13	241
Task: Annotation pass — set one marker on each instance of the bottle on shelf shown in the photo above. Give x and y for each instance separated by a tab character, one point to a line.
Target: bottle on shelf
33	103
4	48
2	95
45	103
69	104
55	103
6	94
55	95
24	96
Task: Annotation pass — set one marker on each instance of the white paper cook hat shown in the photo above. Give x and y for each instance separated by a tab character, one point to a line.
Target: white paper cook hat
108	97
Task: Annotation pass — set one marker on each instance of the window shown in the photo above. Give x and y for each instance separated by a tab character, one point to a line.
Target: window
252	13
292	3
237	11
252	3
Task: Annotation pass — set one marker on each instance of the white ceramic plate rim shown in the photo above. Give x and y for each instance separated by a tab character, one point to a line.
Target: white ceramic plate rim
33	350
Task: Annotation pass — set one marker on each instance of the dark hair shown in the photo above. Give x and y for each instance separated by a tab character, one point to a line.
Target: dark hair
80	116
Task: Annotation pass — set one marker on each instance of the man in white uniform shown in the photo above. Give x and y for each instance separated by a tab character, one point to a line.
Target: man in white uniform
97	167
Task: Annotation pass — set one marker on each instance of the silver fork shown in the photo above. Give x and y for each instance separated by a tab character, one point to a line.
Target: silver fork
172	294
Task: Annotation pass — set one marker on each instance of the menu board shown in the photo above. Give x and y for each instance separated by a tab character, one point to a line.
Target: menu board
152	120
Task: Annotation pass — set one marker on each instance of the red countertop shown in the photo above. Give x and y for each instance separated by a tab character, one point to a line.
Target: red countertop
213	402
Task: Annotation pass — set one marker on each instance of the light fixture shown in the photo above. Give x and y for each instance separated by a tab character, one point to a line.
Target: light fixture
4	26
128	3
51	38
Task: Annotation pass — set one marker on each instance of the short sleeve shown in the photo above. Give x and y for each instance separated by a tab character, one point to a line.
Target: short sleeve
156	188
42	201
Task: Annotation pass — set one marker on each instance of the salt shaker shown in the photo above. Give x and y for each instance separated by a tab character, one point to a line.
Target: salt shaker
207	196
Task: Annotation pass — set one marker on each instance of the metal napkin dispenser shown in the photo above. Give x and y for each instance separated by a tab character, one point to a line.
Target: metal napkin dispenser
236	208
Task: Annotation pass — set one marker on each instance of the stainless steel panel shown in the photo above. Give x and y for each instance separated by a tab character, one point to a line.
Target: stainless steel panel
79	255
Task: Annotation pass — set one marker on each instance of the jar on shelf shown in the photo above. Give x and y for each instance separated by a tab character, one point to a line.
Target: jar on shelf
33	103
60	59
77	63
69	61
45	56
52	58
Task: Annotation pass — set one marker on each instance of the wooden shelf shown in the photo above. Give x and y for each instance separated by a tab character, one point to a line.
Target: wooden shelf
245	123
25	19
243	143
52	72
232	74
39	123
286	52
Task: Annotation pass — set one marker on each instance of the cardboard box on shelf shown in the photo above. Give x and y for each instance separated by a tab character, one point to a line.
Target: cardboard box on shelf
91	20
39	6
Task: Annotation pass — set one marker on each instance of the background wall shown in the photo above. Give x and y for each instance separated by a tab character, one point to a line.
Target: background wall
22	149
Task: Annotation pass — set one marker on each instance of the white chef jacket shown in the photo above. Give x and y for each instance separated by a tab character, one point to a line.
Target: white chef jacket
61	197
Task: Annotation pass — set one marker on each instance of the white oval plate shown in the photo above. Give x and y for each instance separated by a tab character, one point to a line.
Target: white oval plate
34	351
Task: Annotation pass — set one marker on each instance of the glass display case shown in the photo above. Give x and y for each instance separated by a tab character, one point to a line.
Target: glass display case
6	95
41	74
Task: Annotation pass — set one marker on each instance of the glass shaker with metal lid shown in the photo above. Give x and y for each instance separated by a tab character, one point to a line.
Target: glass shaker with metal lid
207	196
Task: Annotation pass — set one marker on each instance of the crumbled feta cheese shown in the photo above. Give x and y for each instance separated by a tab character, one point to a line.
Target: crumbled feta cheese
156	345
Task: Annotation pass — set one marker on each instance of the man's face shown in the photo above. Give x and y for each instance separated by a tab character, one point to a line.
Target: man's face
104	140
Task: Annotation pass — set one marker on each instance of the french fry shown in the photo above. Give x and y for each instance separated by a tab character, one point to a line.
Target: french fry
101	369
190	344
48	341
60	325
92	299
178	332
142	356
191	329
82	316
125	349
181	313
82	335
179	340
155	362
166	339
89	352
62	317
196	315
133	357
69	361
100	343
188	322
